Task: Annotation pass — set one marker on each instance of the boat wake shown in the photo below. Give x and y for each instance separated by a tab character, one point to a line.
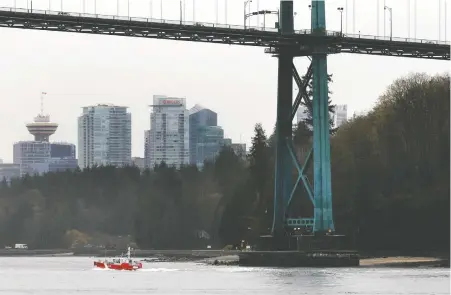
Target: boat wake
157	269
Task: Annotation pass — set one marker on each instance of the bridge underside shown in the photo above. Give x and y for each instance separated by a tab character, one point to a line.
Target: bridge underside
300	43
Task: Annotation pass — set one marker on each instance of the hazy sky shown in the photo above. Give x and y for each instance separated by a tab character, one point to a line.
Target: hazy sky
237	82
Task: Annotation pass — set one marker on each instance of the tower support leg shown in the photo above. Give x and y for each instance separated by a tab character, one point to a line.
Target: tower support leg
323	219
283	177
283	166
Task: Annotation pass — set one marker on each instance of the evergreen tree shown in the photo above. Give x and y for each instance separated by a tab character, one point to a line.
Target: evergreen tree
259	160
309	106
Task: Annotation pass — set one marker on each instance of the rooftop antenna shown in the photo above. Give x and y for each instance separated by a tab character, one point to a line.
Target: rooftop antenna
42	102
346	14
408	19
415	18
384	19
353	16
377	17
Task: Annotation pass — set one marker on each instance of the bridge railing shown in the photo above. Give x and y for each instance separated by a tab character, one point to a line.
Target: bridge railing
216	25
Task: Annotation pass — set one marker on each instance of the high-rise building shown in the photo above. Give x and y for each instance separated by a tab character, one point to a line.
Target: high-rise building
205	137
168	138
341	115
209	144
104	136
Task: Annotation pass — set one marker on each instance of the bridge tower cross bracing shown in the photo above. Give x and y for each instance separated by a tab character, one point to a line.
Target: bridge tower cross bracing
321	195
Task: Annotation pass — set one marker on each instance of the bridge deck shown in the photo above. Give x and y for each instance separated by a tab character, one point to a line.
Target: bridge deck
303	42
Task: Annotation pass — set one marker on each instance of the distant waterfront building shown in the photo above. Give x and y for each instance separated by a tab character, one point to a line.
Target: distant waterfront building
139	162
147	149
41	156
62	164
104	136
206	138
360	113
239	149
341	115
168	138
31	156
9	171
227	141
62	150
211	140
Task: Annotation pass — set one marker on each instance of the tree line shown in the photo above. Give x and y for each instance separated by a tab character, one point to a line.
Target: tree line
390	175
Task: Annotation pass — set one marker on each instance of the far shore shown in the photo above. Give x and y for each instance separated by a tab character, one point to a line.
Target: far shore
222	256
404	261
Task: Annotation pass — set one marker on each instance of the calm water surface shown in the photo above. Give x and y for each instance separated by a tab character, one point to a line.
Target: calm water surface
61	276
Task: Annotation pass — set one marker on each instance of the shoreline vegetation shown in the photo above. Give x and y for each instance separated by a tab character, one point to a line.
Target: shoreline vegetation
390	182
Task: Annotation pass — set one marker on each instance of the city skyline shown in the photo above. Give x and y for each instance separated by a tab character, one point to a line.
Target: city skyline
41	122
240	83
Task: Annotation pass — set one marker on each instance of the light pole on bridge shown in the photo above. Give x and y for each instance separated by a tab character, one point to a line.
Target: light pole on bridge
340	9
246	2
264	12
445	19
225	11
391	21
181	12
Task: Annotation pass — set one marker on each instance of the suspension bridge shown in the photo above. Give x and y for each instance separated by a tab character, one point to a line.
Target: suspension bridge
282	41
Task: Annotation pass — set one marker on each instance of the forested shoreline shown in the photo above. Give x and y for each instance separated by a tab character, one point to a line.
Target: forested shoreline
390	175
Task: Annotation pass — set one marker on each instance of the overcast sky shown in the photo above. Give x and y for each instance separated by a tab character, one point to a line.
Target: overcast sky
237	82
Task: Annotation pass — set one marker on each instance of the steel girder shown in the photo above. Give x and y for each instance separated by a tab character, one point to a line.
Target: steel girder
302	42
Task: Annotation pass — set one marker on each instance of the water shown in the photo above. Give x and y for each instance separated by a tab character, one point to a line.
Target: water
75	275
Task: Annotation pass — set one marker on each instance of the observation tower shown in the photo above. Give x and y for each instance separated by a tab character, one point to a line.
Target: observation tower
42	128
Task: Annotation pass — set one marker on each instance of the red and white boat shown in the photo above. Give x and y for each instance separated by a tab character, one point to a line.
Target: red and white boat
119	263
